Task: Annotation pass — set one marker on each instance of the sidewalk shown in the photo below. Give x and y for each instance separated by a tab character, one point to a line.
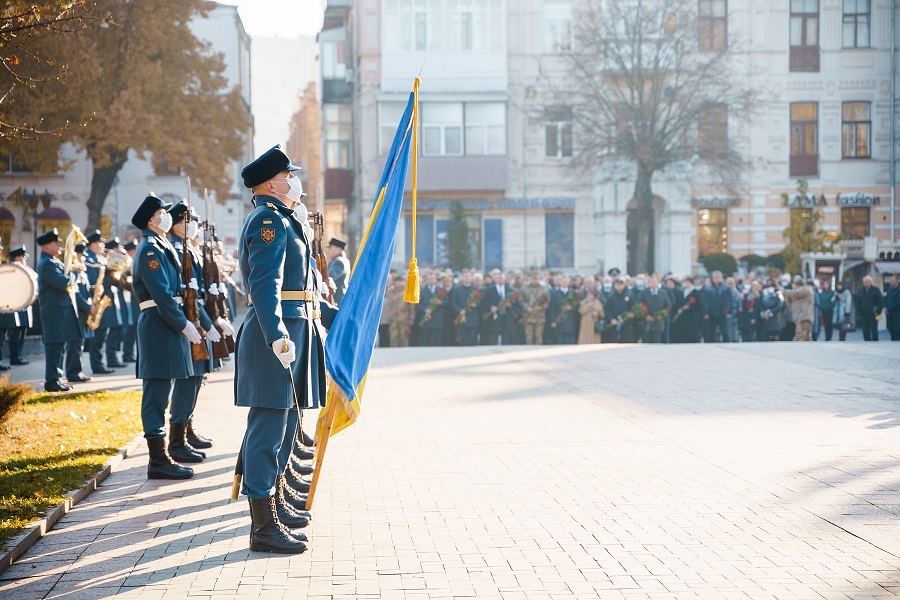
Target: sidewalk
720	470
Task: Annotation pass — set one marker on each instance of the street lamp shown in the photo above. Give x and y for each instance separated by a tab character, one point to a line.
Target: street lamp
33	200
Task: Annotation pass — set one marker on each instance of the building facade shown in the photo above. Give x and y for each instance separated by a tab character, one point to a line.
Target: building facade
31	203
493	138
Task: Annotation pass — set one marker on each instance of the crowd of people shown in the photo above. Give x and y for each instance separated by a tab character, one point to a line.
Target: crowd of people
469	307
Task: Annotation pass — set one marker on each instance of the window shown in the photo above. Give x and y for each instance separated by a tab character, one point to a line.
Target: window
558	132
804	143
856	129
442	124
712	131
13	163
485	128
334	60
855	222
454	25
338	134
162	167
712	231
559	230
856	23
804	35
713	25
558	25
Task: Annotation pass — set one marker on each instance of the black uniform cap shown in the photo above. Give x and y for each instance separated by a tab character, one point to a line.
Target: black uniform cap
79	248
130	246
179	212
95	236
112	244
147	209
339	243
271	163
49	236
18	251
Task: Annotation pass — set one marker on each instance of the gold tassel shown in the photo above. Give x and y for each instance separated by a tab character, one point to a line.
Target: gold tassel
411	295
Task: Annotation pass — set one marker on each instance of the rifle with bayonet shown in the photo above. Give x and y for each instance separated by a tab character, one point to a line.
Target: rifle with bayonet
189	295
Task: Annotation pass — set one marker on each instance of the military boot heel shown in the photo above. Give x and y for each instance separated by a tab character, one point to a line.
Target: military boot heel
266	533
178	446
307	440
295	507
295	482
195	440
161	464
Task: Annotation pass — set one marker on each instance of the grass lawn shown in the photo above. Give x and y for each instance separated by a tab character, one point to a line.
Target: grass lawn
54	444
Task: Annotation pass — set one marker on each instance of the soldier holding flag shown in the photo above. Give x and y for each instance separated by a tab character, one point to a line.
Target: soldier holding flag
280	358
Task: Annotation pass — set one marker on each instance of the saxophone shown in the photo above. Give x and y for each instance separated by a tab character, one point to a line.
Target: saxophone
99	300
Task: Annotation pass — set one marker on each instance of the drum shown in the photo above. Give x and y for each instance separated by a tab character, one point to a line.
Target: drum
18	287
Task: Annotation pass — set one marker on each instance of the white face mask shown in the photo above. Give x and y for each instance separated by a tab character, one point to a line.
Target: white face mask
165	222
295	191
191	230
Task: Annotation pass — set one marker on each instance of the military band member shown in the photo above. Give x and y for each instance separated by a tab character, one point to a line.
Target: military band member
24	318
95	258
279	346
59	303
117	288
129	334
164	334
184	396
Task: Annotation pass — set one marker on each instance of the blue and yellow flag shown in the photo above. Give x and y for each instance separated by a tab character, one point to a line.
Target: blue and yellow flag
351	339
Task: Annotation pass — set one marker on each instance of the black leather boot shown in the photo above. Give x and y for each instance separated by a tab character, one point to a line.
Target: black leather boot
301	468
306	440
178	446
161	464
195	440
266	533
292	502
295	482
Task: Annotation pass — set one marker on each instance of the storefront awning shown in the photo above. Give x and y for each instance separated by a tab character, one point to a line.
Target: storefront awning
886	268
850	264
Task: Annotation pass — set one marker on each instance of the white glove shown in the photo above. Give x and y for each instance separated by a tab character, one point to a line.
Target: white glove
193	284
225	325
214	289
213	335
191	333
308	230
332	284
286	358
323	288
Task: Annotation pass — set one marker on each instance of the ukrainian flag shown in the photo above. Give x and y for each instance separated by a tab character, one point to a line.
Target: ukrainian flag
351	339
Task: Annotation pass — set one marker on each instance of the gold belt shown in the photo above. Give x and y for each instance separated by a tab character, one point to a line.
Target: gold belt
303	295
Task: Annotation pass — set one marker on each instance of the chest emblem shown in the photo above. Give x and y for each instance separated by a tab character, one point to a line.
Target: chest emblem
267	235
153	264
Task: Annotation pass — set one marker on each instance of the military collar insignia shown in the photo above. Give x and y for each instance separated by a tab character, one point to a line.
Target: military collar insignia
280	208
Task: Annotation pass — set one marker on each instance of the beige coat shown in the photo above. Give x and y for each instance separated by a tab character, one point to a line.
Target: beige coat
802	302
591	310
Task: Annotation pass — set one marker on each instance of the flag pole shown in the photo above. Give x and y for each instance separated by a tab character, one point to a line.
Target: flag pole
321	445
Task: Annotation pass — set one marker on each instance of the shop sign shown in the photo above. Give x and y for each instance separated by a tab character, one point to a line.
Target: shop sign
858	199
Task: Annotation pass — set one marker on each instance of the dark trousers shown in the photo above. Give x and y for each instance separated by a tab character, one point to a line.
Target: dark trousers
73	359
184	399
565	337
788	331
384	335
827	316
264	456
3	334
129	338
157	393
113	342
893	325
16	343
100	335
468	336
720	322
653	337
53	363
869	325
432	337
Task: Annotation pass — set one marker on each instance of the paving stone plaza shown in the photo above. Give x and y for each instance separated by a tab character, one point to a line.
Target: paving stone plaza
654	471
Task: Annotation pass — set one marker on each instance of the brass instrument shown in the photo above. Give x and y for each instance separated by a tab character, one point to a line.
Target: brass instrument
117	263
99	300
70	257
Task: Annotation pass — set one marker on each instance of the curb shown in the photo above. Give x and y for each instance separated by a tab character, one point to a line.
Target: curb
20	544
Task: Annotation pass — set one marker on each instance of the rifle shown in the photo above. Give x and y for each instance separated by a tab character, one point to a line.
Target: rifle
219	299
318	225
210	279
189	295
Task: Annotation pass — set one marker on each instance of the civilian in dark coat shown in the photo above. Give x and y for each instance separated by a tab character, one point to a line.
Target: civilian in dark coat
496	326
467	317
657	301
562	312
892	308
688	317
433	303
621	301
717	300
869	304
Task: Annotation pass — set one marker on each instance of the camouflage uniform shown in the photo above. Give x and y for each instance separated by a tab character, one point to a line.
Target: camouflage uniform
534	305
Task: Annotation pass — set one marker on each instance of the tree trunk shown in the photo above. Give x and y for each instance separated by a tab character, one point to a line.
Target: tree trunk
101	182
641	246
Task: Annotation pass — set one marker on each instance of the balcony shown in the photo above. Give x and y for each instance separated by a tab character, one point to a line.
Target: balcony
336	91
804	166
804	59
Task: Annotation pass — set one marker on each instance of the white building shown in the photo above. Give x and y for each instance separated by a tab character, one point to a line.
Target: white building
490	136
66	192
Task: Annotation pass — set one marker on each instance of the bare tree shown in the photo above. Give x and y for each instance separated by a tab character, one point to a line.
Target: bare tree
652	83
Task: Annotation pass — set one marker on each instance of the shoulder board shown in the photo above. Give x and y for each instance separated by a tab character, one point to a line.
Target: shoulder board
282	209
